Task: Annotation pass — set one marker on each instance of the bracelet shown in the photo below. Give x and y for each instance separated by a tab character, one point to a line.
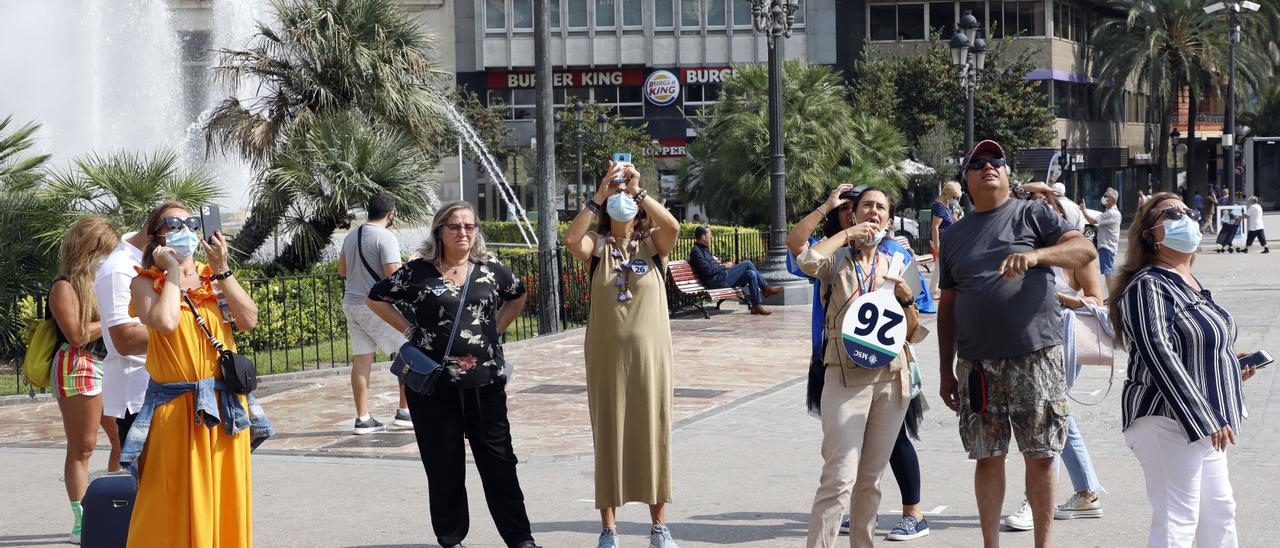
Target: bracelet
907	303
822	211
593	207
223	276
640	195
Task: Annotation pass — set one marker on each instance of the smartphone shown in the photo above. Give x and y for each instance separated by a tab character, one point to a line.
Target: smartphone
1257	359
621	157
210	221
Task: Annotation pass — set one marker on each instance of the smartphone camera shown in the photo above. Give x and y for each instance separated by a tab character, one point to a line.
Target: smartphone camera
621	158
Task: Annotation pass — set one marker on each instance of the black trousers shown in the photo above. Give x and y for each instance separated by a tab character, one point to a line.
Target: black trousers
1255	235
439	422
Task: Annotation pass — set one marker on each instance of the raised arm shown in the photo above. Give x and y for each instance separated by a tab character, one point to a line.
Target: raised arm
159	311
243	309
666	226
798	238
575	239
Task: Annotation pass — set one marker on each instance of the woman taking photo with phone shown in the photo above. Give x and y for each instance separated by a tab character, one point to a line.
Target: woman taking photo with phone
193	479
462	300
628	348
862	409
77	361
1182	403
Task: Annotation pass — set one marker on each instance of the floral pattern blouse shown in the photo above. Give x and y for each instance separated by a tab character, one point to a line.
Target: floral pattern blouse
477	358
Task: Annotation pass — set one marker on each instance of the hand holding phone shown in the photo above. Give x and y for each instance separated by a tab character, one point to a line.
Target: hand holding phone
210	221
1257	359
623	160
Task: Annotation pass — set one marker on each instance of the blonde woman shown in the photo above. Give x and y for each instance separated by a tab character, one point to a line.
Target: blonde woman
943	216
78	360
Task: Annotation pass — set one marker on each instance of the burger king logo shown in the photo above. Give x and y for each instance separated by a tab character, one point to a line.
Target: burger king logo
662	88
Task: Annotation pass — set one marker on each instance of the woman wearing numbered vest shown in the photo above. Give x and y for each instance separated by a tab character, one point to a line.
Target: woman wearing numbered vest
863	408
628	348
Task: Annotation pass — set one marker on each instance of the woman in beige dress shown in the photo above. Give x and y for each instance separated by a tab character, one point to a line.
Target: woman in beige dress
628	349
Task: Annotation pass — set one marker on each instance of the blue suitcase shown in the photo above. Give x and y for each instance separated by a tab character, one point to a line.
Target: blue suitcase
108	505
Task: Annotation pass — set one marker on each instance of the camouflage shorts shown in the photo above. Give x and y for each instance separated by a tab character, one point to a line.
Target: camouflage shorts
1026	396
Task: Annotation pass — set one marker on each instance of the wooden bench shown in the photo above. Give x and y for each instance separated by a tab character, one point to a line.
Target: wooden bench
686	282
925	261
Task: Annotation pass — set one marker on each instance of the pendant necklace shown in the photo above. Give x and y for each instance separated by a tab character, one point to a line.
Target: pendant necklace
623	279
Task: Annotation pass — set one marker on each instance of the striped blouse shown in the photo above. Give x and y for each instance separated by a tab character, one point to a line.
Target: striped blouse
1182	362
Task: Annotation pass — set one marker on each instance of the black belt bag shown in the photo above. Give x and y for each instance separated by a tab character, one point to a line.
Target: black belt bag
239	374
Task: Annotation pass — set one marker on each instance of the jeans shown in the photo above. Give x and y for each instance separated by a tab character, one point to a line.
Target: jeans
1076	457
744	275
439	423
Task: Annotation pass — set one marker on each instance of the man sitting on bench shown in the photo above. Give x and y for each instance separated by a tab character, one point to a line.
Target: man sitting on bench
717	274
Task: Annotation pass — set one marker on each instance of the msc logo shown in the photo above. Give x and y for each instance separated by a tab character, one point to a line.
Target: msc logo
662	88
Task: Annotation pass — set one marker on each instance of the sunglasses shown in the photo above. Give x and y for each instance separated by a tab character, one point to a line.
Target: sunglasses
173	224
981	163
461	227
1174	213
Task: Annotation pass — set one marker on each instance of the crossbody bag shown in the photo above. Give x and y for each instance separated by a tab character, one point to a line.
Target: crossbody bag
418	371
404	310
239	374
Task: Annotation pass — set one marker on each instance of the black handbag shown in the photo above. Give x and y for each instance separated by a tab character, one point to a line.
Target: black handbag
239	374
418	371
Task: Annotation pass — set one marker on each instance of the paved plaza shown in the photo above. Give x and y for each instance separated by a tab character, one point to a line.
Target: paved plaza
746	453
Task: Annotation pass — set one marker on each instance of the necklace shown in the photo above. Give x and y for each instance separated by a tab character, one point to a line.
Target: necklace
453	269
623	280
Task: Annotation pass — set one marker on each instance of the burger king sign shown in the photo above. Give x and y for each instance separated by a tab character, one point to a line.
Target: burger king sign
662	88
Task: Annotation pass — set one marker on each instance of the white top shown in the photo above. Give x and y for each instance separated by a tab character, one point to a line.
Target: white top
1109	229
1074	216
124	378
1255	217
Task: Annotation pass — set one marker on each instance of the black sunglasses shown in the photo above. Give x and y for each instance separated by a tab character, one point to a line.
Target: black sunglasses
981	163
175	223
1174	213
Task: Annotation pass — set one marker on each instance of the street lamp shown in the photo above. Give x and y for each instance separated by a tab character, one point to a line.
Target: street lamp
774	19
968	56
1233	10
1173	139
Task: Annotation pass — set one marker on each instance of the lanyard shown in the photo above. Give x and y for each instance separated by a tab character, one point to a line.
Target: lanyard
865	285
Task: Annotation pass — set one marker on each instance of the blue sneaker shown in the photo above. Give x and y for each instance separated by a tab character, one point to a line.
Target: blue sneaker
908	528
608	539
660	537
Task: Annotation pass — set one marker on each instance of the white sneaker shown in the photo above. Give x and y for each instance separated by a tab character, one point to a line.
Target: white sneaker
1022	519
1078	507
403	419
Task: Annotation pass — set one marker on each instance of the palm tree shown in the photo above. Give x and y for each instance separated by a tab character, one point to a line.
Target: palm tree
331	165
1263	120
324	56
26	267
825	143
123	187
1166	46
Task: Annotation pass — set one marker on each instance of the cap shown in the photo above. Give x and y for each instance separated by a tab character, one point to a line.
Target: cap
988	148
1059	189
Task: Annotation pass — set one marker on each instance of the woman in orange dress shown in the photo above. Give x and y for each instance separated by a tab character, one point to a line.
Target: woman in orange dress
194	474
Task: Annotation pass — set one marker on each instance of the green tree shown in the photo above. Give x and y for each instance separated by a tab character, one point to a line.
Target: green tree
1263	120
1165	47
328	167
26	267
824	143
937	148
918	91
325	56
599	144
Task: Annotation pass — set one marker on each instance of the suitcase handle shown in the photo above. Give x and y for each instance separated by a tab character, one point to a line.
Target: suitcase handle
119	503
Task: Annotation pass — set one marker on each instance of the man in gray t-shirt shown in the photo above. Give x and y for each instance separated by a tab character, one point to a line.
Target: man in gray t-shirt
1108	231
999	310
369	254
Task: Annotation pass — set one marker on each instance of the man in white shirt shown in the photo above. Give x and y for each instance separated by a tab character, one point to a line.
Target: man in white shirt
1253	216
1108	231
1074	216
124	372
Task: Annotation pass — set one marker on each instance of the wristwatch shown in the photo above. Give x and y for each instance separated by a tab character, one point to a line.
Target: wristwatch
906	303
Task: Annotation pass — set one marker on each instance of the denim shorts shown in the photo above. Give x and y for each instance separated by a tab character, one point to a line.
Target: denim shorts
1106	261
1026	400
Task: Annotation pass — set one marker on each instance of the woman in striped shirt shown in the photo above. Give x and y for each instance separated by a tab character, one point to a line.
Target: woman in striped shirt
1182	401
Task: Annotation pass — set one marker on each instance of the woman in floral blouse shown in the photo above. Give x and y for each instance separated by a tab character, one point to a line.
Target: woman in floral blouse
471	396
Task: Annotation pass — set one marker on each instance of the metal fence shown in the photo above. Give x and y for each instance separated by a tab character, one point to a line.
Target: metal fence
301	324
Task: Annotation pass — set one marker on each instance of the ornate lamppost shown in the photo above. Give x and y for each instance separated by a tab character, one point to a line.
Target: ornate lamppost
968	56
1233	9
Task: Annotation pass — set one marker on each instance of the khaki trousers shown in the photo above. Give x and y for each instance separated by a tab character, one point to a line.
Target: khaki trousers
859	427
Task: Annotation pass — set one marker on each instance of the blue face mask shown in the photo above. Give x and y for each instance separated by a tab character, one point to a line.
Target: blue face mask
1182	235
184	243
875	240
621	207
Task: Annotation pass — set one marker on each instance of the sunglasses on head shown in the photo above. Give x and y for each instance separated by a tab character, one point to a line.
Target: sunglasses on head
981	163
1174	213
172	224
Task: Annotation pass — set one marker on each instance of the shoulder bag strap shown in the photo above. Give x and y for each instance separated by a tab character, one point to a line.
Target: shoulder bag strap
217	345
457	315
360	251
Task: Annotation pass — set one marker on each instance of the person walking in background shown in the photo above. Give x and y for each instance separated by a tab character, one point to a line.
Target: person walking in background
863	410
124	371
1000	314
77	361
461	300
1209	223
942	217
1254	225
629	366
188	445
1108	223
715	274
1183	402
369	254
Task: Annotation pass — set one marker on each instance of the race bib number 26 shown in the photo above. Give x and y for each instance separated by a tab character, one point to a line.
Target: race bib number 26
874	329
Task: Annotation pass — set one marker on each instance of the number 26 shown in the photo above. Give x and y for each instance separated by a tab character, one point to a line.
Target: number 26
869	318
